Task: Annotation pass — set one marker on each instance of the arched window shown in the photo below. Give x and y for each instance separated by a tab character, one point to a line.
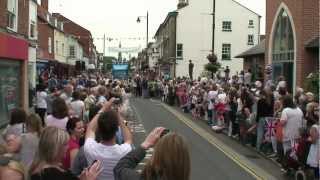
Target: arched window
283	49
283	41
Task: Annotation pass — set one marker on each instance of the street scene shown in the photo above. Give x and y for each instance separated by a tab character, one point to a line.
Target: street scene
159	90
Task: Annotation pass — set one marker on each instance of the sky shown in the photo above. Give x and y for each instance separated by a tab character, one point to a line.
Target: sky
117	18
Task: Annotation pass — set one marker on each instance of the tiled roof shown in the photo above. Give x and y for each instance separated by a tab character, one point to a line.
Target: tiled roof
256	50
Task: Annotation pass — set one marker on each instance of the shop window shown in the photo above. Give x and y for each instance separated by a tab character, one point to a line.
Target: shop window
10	88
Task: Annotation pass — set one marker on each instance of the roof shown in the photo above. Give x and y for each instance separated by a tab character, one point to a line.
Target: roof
65	20
170	14
246	8
313	43
256	50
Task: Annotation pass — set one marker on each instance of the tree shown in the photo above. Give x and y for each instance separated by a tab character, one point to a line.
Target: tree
213	66
107	63
312	83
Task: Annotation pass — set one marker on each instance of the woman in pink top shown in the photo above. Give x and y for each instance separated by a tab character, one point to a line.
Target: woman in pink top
59	116
75	128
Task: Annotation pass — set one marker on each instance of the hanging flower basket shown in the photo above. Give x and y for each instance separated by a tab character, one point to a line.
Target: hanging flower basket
212	58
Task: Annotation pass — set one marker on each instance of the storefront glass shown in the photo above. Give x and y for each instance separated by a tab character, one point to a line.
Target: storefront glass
10	88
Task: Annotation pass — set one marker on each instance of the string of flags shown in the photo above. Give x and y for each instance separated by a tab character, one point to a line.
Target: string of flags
122	38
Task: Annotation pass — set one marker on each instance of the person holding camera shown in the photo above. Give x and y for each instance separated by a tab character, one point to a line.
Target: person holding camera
106	123
170	161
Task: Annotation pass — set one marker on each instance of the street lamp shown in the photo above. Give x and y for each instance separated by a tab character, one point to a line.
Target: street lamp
138	21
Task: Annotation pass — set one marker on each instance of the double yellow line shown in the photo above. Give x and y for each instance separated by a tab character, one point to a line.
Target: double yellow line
256	172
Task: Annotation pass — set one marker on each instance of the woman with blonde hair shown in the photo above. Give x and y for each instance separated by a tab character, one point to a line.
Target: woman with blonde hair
30	140
12	170
170	160
51	150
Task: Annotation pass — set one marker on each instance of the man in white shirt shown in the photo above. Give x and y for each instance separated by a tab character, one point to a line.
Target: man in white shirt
106	122
67	94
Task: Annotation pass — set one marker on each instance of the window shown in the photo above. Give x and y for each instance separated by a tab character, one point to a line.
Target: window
32	21
72	52
10	85
49	45
226	26
32	29
62	49
226	52
179	50
251	24
57	47
12	11
283	41
250	40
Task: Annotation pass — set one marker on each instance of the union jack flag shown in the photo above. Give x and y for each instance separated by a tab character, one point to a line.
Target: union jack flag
270	128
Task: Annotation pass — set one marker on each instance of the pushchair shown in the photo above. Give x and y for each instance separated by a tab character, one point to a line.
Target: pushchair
294	161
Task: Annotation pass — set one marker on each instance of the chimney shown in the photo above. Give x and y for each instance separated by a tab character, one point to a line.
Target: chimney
182	3
45	4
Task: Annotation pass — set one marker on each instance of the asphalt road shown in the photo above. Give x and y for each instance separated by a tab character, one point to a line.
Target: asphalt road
207	161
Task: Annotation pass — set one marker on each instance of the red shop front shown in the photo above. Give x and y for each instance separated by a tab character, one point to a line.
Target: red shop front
13	75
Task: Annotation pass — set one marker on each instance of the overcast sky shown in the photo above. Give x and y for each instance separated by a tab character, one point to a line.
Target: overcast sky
117	18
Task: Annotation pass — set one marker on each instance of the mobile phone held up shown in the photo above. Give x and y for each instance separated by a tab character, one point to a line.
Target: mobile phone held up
117	101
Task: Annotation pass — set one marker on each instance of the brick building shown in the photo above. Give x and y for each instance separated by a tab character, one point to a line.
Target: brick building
166	45
45	50
292	39
14	30
84	36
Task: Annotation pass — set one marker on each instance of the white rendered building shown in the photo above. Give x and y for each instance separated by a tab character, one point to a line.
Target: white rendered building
236	29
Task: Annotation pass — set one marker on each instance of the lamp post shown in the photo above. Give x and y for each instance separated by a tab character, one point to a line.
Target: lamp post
213	24
138	21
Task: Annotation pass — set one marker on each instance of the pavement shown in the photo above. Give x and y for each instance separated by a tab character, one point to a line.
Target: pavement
213	156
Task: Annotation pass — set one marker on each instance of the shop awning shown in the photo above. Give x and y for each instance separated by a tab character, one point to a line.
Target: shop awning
13	47
313	43
256	50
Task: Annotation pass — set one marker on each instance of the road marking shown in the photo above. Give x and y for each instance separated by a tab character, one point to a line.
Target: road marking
138	127
240	160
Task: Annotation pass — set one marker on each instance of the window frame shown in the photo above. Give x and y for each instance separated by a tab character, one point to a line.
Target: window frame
32	32
12	14
226	26
72	55
179	53
251	25
226	51
49	45
252	39
62	49
57	47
